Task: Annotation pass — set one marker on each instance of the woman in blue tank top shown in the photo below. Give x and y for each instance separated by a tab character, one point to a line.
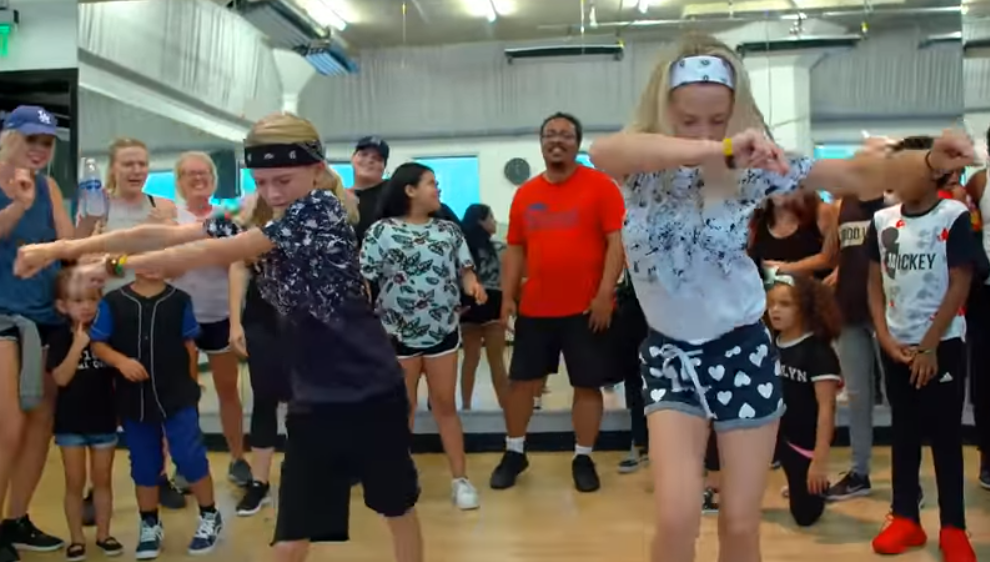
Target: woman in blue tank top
31	211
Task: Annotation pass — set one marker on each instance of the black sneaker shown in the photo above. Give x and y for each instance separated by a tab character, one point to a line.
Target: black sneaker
110	547
169	496
89	511
851	485
633	462
509	468
207	533
708	503
584	473
239	472
7	552
150	536
775	464
256	496
984	478
23	535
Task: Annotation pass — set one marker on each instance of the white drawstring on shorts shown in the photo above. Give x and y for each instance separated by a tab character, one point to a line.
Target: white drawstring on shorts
687	373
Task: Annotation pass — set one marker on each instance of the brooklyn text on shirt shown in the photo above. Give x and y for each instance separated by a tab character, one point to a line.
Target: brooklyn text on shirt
853	233
800	375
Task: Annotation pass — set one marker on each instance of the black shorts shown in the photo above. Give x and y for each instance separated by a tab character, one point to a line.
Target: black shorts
540	341
481	314
329	447
449	344
214	337
45	332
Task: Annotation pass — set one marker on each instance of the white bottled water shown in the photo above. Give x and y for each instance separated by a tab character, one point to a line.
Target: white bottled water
92	198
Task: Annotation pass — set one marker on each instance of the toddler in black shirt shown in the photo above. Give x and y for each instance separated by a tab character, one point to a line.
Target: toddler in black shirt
85	418
806	318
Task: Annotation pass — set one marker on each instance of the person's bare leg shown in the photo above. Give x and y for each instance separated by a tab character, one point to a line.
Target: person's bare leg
407	537
225	369
413	369
203	491
471	340
101	475
519	406
745	454
494	341
74	463
291	551
586	415
261	464
441	379
678	483
33	454
12	418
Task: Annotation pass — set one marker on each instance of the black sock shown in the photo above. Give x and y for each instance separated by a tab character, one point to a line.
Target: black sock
204	509
150	516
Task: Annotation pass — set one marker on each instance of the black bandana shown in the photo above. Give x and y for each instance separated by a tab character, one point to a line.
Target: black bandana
283	155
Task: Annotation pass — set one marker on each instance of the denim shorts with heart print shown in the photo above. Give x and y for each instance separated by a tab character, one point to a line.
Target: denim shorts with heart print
732	380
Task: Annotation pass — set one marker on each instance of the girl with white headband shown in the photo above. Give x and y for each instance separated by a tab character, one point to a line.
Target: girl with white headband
694	164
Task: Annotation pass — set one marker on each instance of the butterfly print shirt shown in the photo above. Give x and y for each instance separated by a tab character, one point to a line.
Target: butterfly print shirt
418	267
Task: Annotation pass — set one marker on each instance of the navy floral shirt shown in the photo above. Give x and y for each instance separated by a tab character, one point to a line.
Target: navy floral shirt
336	347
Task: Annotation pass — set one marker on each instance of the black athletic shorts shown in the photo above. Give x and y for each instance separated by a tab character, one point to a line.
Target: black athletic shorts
481	314
214	337
329	447
447	345
539	342
45	332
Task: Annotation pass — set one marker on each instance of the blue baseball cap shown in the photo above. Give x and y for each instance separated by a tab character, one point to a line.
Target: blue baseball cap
31	120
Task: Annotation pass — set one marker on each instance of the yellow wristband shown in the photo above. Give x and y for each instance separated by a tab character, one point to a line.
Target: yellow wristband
727	147
122	260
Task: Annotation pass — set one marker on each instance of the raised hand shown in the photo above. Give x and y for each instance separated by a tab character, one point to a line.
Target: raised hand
18	185
952	151
33	258
752	149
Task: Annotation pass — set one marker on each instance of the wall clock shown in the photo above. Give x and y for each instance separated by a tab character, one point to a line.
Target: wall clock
517	171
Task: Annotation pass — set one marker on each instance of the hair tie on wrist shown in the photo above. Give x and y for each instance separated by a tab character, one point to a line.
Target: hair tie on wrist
115	266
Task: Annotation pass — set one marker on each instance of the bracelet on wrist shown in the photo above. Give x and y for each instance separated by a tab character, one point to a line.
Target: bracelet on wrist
925	350
115	266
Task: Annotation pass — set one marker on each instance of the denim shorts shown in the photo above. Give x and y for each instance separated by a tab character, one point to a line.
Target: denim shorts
732	380
93	440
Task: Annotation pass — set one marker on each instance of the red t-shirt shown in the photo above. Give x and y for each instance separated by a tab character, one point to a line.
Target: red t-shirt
562	228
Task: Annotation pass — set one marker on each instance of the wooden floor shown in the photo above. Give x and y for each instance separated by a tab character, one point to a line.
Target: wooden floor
542	520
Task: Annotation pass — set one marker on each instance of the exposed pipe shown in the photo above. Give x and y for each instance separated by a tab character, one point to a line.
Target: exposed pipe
785	15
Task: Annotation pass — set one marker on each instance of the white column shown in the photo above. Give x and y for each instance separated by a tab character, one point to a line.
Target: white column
295	73
782	89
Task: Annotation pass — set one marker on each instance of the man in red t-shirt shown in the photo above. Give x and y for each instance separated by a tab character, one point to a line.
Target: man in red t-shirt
564	230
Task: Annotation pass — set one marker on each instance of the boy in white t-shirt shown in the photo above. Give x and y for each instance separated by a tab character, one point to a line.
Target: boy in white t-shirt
922	254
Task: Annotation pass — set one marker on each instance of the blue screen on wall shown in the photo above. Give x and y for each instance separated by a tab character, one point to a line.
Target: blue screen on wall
459	179
161	184
583	158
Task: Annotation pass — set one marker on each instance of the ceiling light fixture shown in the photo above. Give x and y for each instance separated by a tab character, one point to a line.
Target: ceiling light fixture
324	13
643	6
490	12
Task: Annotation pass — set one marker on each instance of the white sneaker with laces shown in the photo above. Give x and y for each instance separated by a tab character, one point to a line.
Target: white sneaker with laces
463	494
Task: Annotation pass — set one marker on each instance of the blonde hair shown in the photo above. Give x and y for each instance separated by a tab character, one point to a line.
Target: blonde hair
183	158
286	128
118	144
13	145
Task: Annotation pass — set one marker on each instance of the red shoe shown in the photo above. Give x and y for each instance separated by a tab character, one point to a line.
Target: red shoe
954	544
900	535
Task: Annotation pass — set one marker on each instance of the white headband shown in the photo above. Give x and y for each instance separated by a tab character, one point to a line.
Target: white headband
702	68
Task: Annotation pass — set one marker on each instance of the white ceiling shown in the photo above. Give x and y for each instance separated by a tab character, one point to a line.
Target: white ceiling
383	23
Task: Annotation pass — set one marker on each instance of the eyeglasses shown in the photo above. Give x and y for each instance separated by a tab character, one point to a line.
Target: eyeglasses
553	135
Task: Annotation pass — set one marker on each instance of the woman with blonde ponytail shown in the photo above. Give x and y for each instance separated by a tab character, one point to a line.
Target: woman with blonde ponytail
694	164
348	404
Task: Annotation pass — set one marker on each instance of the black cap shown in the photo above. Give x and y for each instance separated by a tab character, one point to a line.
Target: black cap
376	143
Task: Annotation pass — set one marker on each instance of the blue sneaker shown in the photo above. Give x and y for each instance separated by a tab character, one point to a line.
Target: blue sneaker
207	533
150	537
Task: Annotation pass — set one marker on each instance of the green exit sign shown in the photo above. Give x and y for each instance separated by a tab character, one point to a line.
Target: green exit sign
6	29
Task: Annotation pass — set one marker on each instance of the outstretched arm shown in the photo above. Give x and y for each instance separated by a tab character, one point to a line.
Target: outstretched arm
624	154
203	253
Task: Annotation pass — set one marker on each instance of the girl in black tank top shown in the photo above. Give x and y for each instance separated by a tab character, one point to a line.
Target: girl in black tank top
787	234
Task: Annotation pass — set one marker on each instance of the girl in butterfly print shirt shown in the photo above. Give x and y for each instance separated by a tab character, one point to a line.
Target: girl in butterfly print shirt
417	261
806	318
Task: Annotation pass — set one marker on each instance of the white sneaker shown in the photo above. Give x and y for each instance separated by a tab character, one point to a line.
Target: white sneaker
463	494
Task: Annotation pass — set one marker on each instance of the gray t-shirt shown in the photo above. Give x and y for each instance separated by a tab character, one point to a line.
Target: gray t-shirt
121	216
208	286
418	267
